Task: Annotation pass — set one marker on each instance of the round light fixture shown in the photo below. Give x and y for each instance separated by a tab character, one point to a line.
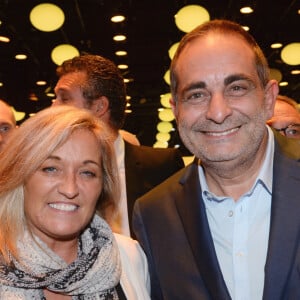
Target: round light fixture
160	144
164	126
166	115
275	74
172	50
167	77
165	100
163	136
63	52
47	17
290	54
190	16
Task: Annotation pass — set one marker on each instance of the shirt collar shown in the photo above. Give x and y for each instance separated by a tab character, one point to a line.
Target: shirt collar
119	147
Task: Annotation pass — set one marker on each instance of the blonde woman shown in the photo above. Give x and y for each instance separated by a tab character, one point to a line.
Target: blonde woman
58	182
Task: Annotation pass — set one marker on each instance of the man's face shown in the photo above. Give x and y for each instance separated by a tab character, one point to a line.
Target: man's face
68	90
286	120
7	123
221	107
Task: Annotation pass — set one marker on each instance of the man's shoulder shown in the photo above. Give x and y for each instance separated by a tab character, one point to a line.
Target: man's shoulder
167	189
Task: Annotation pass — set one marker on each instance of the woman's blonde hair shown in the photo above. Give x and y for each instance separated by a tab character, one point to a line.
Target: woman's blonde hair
30	145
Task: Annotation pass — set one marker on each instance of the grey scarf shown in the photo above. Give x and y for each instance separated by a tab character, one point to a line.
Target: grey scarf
93	275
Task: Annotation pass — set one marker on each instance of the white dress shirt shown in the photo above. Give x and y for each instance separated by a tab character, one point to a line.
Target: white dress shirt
240	231
120	221
135	279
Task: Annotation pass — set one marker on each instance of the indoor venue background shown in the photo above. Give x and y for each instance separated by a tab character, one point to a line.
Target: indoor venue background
150	31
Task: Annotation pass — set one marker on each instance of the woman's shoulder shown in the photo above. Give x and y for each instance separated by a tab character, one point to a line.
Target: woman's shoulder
128	245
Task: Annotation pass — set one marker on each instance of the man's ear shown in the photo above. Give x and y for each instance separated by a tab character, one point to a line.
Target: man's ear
173	104
271	92
100	106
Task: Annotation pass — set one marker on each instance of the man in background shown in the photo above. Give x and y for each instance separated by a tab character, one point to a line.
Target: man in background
286	125
286	117
7	122
95	83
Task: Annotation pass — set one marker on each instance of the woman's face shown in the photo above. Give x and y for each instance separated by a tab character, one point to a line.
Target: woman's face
61	195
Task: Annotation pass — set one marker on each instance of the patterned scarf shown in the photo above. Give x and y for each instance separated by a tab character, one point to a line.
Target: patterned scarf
93	275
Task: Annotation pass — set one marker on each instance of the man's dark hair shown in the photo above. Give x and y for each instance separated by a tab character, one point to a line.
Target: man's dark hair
103	78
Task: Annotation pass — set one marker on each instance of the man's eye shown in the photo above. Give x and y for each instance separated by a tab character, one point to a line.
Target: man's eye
196	97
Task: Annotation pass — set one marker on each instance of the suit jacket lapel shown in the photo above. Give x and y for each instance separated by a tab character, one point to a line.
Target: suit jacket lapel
285	225
192	212
132	178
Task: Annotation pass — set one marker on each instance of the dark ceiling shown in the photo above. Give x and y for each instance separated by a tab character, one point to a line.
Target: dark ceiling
150	30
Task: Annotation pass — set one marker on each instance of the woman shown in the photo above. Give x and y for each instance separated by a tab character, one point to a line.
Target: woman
58	180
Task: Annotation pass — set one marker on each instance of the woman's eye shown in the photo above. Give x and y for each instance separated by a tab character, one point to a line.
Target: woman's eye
49	169
88	173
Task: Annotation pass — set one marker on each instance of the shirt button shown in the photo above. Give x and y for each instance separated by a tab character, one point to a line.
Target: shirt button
230	213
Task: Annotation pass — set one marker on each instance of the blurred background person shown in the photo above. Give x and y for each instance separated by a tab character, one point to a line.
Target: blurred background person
56	187
286	117
286	125
7	122
95	83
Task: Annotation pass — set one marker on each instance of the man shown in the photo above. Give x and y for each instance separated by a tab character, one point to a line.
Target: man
286	117
95	83
229	226
7	122
286	123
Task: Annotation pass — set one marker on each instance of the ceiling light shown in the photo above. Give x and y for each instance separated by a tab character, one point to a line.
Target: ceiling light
19	115
126	80
166	115
283	83
295	72
119	38
167	77
20	56
128	97
246	10
122	66
172	50
41	82
163	136
290	54
276	45
275	74
47	17
246	28
164	126
160	144
165	100
121	53
190	16
1	83
4	39
63	52
117	18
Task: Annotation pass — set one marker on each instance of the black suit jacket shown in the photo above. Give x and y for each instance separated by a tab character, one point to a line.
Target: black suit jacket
171	224
145	168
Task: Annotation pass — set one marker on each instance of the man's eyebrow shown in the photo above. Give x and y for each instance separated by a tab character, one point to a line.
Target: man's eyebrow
194	86
236	77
